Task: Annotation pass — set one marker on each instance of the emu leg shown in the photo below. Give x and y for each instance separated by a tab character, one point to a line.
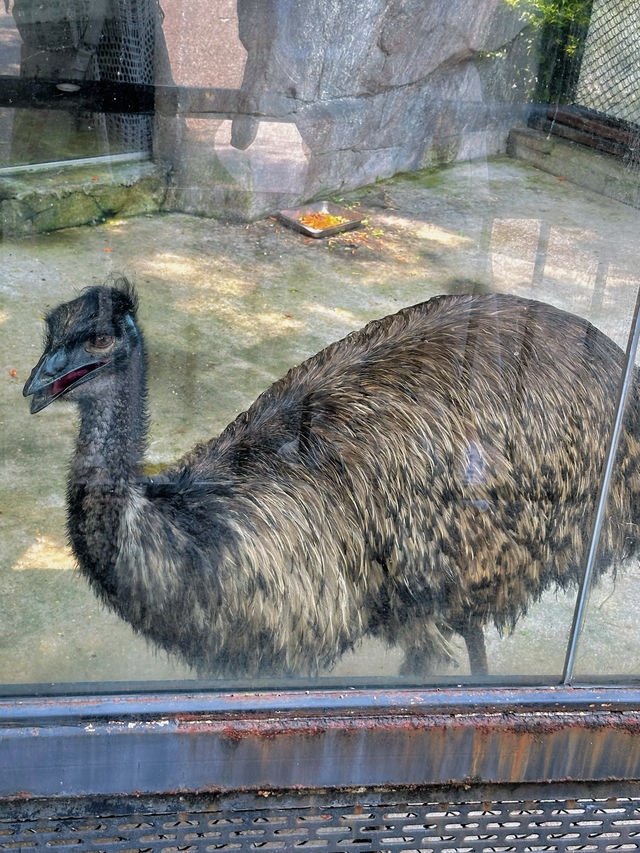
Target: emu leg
474	641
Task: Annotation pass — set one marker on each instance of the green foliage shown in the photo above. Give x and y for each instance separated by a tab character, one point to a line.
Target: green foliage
563	25
559	13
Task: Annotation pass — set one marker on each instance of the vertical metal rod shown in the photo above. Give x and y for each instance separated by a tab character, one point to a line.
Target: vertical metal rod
578	614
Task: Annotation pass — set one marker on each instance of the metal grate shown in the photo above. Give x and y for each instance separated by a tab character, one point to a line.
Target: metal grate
490	827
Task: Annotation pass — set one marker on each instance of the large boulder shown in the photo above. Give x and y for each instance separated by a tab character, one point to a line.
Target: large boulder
343	94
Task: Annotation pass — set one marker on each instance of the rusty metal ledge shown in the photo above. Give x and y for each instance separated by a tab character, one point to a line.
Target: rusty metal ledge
148	745
270	701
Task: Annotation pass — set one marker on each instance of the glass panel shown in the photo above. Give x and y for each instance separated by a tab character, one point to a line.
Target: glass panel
67	65
412	506
605	624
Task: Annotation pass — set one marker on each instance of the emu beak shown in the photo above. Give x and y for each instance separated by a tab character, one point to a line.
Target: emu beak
56	373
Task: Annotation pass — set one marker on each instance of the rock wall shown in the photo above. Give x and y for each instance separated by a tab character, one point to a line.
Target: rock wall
343	93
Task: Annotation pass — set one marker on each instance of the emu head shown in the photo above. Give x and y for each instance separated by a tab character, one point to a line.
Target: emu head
89	342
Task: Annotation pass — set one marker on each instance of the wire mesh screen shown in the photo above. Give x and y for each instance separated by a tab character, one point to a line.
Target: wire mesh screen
125	53
609	80
109	40
477	827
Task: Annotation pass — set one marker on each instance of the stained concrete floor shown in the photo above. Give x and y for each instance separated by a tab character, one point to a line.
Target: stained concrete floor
229	308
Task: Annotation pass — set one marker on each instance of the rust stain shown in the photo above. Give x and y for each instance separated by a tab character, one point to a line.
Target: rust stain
530	725
511	747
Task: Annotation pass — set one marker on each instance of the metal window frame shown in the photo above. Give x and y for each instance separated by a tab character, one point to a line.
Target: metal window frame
149	744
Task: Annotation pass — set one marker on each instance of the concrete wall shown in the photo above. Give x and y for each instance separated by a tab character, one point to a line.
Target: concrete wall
348	92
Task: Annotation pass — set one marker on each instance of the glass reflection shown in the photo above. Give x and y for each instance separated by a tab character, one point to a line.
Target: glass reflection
64	62
429	475
606	646
414	503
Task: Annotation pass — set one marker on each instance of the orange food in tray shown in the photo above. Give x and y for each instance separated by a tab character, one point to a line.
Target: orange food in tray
322	220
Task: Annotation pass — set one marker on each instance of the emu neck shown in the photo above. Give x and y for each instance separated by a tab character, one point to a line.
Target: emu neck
107	461
110	443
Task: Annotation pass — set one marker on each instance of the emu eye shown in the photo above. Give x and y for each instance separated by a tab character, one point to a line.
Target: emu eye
99	343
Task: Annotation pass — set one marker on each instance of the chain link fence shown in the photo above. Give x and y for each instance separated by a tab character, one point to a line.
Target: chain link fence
609	80
589	76
125	54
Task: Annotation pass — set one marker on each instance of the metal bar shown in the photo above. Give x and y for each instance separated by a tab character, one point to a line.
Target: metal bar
279	801
102	96
117	756
220	102
108	96
578	615
102	160
41	711
159	743
214	102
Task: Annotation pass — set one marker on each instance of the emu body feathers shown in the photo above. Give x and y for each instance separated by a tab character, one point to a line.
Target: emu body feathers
426	475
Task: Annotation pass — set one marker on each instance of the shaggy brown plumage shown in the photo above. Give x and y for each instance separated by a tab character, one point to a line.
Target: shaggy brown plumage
429	474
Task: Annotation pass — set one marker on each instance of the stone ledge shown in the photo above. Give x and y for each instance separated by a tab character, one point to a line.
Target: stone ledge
584	166
35	201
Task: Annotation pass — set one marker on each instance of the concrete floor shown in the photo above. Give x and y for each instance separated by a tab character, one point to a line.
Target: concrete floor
229	308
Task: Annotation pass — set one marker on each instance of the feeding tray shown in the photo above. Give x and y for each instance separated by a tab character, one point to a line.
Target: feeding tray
309	219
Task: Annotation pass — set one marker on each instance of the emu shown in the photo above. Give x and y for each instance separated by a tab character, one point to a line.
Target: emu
427	475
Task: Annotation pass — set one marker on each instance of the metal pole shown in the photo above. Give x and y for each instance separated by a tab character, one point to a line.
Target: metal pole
578	614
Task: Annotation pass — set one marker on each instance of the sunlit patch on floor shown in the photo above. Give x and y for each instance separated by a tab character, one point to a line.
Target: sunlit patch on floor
258	324
170	264
210	274
340	315
425	231
46	553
